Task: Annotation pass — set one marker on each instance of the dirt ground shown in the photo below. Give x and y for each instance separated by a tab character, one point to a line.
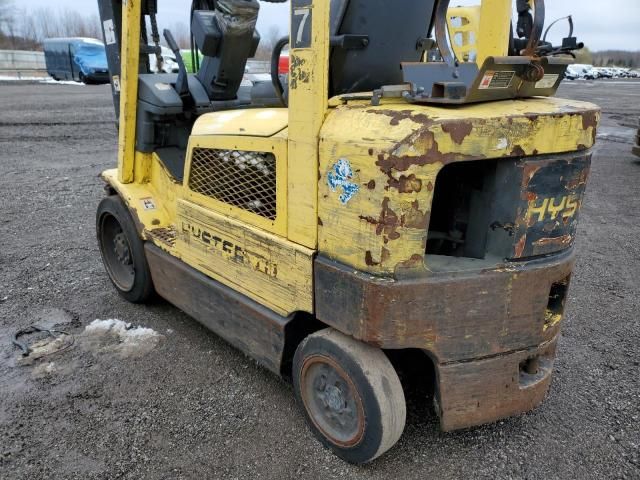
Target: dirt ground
181	403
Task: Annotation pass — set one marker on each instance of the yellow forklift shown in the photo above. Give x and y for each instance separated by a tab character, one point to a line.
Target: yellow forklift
410	188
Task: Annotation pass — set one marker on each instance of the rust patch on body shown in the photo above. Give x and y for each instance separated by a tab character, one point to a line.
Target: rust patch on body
423	140
458	130
590	119
405	184
518	151
415	218
519	247
508	227
298	74
384	257
530	170
561	242
368	258
370	220
397	116
414	262
389	221
371	185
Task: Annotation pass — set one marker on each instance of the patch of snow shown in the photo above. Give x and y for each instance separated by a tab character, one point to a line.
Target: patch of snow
120	337
5	78
51	81
125	331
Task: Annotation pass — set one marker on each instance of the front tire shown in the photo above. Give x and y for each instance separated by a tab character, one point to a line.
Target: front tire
351	395
122	251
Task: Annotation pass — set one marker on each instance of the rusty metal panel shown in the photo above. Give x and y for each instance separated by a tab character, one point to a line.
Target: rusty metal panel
483	391
456	317
537	205
252	328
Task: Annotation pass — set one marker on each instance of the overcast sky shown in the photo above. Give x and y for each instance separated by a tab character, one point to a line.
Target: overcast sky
612	24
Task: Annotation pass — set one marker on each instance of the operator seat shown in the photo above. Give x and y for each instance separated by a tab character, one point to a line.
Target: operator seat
378	63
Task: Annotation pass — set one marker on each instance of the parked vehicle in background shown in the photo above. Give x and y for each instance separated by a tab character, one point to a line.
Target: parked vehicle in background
170	64
589	72
78	59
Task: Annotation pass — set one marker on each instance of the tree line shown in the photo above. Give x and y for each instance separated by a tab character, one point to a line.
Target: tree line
22	29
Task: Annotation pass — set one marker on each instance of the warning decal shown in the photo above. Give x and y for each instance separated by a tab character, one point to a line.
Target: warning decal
148	203
548	81
496	80
109	32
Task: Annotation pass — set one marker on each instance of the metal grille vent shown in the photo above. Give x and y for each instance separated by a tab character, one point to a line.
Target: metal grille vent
246	180
165	235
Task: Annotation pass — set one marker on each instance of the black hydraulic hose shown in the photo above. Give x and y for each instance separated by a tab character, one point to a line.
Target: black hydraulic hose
275	67
568	17
538	26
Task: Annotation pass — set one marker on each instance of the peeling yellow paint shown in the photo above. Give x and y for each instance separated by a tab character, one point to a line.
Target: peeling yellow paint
397	142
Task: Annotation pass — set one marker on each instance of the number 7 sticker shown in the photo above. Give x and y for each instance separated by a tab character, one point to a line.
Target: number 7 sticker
301	22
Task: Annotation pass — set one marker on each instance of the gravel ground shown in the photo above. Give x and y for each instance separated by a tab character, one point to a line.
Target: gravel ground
182	403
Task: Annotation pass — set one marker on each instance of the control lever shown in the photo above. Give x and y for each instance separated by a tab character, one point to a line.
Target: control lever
182	83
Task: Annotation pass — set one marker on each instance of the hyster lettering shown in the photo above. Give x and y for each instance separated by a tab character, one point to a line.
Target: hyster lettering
566	207
230	250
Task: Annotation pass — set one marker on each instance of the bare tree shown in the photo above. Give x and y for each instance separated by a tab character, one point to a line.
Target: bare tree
47	24
267	42
273	35
181	34
6	12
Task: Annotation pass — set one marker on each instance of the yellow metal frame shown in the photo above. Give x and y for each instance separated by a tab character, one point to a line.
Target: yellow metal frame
308	103
130	57
466	31
487	24
494	30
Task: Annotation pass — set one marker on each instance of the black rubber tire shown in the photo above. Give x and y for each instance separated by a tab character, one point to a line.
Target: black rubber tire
141	288
381	399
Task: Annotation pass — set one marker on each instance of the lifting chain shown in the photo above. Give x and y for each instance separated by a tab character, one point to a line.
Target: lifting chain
155	36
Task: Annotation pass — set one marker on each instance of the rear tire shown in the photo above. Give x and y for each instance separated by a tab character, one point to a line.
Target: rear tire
350	394
122	251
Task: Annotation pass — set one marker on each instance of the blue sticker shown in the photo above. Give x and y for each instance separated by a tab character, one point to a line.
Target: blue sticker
340	176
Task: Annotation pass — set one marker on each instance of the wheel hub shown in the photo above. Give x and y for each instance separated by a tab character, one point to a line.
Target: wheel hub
333	398
121	249
332	401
